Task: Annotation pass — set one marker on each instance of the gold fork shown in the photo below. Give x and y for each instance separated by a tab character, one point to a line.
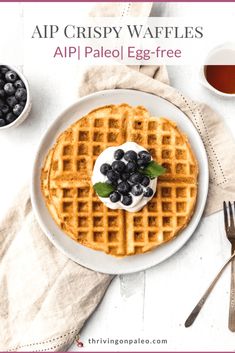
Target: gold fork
230	232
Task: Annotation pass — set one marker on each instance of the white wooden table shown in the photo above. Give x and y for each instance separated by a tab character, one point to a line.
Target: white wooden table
154	303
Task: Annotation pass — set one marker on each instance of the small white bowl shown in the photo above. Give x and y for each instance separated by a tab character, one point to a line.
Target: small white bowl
223	54
28	105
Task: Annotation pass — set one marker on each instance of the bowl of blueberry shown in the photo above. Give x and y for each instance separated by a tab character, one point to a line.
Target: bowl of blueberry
15	102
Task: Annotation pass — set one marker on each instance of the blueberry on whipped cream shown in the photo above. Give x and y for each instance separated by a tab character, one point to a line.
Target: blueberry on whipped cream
125	177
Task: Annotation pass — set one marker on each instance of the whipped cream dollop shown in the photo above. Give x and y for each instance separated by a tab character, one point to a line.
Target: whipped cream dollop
107	156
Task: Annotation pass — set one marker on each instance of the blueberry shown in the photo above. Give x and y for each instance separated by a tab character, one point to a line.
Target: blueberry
127	200
12	101
118	154
2	122
5	109
9	89
137	190
3	70
21	94
19	84
112	175
131	167
145	182
2	83
148	192
115	196
2	93
1	114
125	176
10	118
136	178
118	166
142	163
105	168
130	156
11	76
17	110
145	155
113	183
123	187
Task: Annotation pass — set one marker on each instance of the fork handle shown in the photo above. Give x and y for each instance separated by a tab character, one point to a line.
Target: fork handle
231	322
192	317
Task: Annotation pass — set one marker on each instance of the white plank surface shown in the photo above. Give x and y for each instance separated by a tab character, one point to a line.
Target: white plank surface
150	304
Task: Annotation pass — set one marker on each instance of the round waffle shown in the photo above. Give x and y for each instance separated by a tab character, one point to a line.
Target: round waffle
75	207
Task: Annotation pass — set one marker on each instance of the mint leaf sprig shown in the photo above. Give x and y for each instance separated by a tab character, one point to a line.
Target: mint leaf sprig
153	170
103	189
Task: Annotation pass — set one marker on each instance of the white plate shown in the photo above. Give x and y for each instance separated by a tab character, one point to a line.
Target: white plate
97	260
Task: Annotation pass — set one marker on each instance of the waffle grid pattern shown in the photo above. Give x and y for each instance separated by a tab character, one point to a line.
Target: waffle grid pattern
165	144
103	230
80	212
169	210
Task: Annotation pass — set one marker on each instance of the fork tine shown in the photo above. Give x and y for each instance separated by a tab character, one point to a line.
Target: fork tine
225	216
231	214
